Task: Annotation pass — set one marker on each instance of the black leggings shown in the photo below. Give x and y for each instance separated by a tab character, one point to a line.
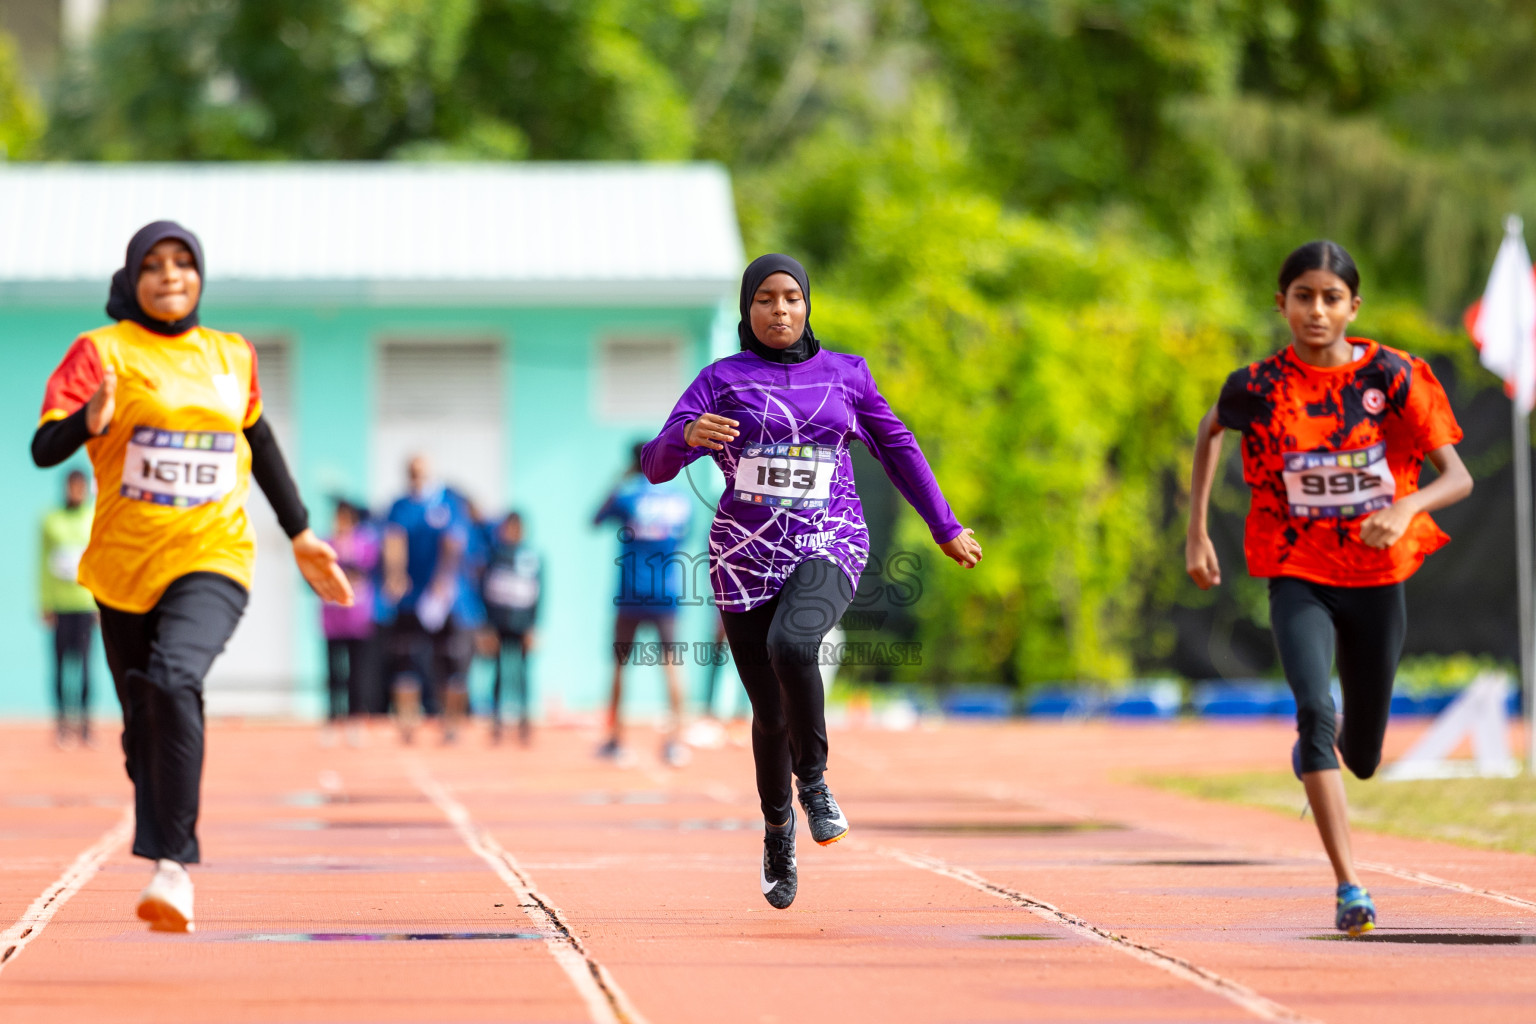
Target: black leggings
1367	625
513	647
72	642
348	665
777	649
158	661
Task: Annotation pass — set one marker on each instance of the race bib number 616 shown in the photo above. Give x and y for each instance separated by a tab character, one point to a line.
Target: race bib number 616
182	468
1341	485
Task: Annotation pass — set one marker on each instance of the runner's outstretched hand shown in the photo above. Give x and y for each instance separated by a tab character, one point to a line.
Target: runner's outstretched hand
317	563
1200	562
963	548
99	410
710	430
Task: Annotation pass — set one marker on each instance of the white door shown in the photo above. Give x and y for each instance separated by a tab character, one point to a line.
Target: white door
441	399
255	675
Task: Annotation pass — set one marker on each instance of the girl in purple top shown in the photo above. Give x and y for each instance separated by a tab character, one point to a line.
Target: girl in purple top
788	540
348	630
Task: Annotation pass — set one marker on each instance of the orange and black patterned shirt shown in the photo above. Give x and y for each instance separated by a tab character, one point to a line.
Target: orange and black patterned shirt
1323	448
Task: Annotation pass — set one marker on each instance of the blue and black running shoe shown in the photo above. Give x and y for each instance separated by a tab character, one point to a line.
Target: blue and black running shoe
1355	913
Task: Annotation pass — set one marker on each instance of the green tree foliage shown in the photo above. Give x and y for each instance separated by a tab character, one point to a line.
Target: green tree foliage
1240	127
20	119
367	79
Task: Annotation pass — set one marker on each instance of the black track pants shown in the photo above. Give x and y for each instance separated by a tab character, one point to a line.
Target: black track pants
1366	625
348	666
72	642
511	647
777	649
158	662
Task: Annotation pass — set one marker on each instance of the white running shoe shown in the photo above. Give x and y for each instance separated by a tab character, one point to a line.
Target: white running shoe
166	902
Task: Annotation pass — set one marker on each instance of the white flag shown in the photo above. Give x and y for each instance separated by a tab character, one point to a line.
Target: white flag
1504	323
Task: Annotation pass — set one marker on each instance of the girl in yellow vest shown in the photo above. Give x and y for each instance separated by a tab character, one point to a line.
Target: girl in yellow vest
170	413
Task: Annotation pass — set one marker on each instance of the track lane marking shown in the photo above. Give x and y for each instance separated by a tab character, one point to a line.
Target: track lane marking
1002	793
605	1000
1235	992
1424	878
59	892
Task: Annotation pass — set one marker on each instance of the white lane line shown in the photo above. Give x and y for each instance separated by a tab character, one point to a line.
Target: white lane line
606	1002
1235	992
1446	883
1000	792
31	924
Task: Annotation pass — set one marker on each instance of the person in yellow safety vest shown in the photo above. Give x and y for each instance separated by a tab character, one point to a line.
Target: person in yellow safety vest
68	608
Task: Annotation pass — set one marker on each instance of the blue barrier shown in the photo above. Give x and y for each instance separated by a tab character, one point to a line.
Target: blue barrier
1157	699
990	702
1243	699
1054	702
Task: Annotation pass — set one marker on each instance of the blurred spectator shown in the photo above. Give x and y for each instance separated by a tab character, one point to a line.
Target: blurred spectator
349	652
512	585
654	519
424	542
68	608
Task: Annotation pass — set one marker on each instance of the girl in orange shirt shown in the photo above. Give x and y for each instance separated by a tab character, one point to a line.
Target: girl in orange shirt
170	414
1335	431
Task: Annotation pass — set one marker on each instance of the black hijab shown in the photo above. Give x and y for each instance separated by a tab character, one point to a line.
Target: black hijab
123	299
758	271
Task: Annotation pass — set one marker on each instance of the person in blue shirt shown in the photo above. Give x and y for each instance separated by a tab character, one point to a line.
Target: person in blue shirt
511	586
653	521
425	536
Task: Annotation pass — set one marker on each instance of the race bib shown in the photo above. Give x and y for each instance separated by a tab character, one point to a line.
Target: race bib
785	475
1338	485
64	562
660	516
506	588
182	468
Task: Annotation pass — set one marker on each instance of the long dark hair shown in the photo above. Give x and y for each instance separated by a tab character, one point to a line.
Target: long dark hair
1320	255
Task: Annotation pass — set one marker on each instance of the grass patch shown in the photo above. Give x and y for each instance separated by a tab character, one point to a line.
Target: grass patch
1497	814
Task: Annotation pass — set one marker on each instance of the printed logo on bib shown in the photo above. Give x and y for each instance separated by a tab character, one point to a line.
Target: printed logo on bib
785	475
181	468
1338	485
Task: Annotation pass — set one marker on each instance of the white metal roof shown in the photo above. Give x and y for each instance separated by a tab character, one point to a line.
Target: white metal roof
384	232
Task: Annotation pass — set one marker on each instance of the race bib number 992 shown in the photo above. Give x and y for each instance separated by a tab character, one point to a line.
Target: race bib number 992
785	475
181	468
1338	485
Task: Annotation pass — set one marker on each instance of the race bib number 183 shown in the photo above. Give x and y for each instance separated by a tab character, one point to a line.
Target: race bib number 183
1338	485
181	468
785	475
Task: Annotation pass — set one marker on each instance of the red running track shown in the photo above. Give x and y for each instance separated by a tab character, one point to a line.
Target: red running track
1007	872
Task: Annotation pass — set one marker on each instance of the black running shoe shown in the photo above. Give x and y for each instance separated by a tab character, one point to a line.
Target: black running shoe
823	815
778	880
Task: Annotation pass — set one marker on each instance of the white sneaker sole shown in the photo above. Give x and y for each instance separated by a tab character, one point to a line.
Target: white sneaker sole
162	916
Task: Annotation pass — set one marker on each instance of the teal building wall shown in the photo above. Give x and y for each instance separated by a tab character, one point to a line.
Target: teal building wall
560	461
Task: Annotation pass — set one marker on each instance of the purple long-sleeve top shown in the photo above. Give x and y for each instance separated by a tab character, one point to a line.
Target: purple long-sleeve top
789	495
